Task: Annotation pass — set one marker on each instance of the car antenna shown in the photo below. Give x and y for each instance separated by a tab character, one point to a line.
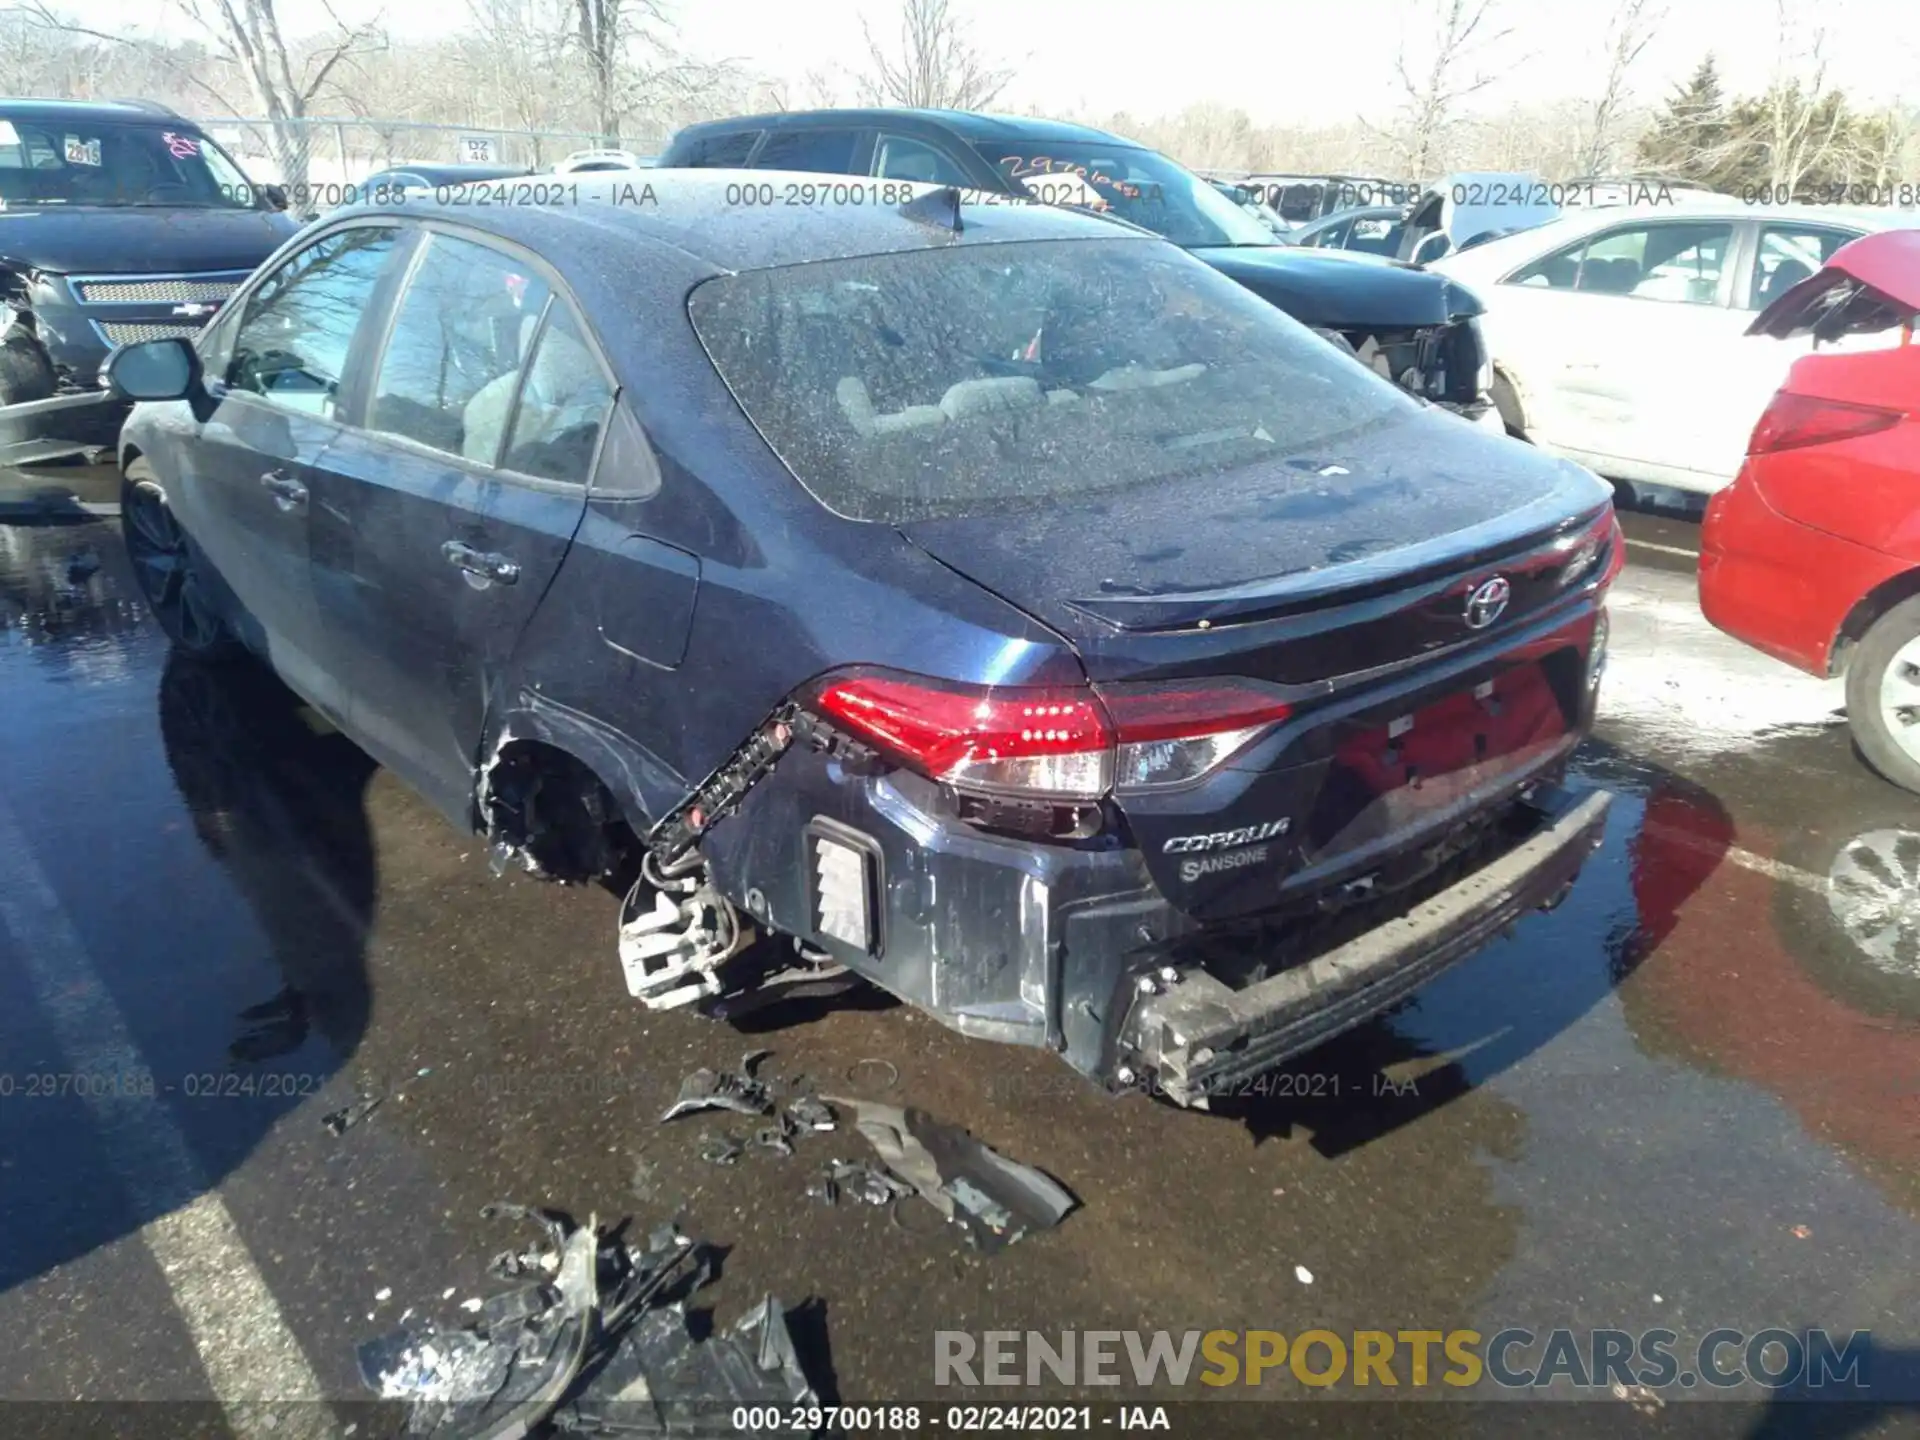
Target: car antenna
939	208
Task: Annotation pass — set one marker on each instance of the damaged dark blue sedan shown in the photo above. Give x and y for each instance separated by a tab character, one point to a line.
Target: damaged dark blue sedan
991	602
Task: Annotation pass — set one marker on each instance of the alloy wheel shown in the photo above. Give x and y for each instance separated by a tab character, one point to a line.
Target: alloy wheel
164	567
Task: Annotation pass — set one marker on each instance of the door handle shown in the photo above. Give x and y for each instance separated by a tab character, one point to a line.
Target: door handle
484	565
289	494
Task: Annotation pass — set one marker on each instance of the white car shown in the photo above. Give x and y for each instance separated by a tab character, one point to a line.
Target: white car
1618	333
586	160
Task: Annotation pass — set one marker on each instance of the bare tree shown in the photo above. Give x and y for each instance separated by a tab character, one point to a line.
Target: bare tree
1433	90
1631	30
1801	124
935	63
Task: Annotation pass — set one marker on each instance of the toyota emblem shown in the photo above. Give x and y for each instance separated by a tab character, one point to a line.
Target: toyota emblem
1488	602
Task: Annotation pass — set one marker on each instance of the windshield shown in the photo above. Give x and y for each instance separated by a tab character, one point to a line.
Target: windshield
1009	377
1137	185
93	163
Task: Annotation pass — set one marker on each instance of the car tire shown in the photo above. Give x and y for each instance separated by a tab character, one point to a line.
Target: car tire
1883	695
172	574
1856	933
25	372
1508	404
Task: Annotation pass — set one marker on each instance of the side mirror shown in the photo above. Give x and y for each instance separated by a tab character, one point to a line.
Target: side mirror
275	196
154	370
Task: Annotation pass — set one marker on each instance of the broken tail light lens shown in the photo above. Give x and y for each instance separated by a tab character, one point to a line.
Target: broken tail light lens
1170	735
1066	742
1792	421
1049	742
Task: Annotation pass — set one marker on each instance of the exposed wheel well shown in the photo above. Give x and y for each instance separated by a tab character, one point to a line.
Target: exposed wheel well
548	809
1871	607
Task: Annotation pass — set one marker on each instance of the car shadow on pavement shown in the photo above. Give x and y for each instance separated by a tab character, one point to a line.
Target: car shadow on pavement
243	1002
1503	1004
1888	1382
277	799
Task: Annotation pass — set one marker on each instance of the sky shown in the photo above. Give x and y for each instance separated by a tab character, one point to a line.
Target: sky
1282	61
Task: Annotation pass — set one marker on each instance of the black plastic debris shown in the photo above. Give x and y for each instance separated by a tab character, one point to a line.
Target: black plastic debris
739	1092
992	1199
660	1381
604	1348
338	1122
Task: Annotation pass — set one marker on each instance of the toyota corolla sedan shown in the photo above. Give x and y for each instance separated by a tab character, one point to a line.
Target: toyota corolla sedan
989	601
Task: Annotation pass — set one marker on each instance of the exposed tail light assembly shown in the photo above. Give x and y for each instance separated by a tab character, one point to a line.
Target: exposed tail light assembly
1067	744
1792	421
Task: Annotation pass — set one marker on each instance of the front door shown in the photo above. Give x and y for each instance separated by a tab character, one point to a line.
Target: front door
245	485
440	520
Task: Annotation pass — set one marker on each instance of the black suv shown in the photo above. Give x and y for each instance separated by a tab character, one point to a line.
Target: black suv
118	222
1414	328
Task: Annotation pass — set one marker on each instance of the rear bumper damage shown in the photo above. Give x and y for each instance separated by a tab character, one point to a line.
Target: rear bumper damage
1193	1036
1076	949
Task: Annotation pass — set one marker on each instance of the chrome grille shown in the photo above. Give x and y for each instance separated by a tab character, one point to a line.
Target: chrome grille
176	290
130	332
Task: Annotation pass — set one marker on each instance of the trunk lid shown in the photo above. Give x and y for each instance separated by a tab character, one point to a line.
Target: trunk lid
1294	571
1346	579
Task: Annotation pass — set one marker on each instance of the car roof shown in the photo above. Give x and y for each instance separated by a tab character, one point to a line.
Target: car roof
698	212
1571	225
80	112
973	126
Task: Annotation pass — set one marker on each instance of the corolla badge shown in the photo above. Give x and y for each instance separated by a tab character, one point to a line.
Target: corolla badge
1488	602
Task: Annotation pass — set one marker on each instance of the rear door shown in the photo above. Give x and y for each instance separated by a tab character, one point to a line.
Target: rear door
1781	255
441	518
1622	327
823	149
275	374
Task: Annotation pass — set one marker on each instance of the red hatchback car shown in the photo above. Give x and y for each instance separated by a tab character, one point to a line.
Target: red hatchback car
1813	553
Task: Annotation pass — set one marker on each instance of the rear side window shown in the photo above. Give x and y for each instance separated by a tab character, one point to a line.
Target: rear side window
1001	378
829	152
562	405
291	346
725	152
447	377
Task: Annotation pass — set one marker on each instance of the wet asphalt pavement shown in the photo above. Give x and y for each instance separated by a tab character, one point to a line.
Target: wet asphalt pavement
1683	1099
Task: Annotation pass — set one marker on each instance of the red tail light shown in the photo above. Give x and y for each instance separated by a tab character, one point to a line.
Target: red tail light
1792	421
1070	741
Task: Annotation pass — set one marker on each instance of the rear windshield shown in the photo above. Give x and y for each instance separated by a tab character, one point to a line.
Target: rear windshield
998	378
90	163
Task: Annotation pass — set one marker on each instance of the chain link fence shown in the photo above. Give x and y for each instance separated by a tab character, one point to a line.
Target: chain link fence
319	159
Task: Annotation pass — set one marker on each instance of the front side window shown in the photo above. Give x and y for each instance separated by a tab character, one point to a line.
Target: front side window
465	324
116	166
1376	235
1141	186
562	405
1681	263
291	345
1010	377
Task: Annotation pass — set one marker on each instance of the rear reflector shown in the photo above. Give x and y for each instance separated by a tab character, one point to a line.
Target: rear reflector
844	892
1792	421
1067	742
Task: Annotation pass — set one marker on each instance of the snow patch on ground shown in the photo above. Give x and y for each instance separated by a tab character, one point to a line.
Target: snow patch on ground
1674	681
